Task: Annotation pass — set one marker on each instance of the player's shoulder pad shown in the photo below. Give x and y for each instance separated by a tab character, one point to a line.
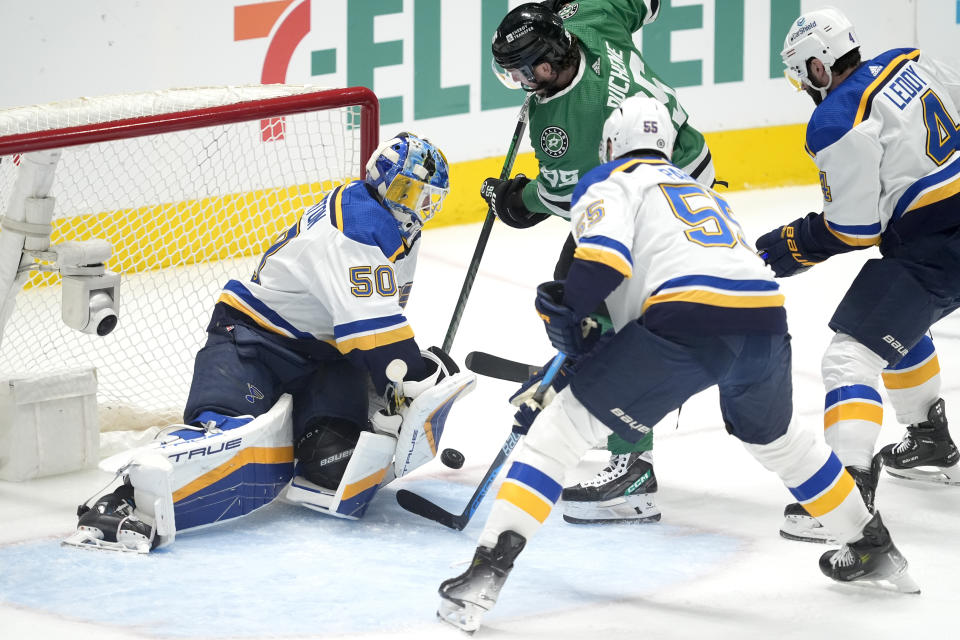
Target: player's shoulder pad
604	171
850	103
592	177
358	214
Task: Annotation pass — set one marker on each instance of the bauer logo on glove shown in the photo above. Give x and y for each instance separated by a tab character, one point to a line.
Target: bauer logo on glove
781	251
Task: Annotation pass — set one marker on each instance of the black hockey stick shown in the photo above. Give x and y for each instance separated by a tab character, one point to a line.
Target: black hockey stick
485	230
419	505
487	364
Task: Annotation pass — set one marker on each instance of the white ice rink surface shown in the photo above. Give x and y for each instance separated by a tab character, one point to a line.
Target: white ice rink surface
714	567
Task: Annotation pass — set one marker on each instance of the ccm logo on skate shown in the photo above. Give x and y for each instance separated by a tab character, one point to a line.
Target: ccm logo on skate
896	344
630	422
206	451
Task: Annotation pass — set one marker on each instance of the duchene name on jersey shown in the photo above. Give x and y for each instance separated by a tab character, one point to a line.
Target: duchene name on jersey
617	93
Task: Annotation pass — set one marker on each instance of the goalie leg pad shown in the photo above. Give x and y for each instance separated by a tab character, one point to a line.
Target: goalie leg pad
424	421
213	474
367	470
232	473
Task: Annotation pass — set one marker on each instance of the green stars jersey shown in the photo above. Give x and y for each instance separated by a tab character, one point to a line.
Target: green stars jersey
565	129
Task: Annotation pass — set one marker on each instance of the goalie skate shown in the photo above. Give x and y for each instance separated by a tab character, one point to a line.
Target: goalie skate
622	492
872	558
926	453
464	599
111	524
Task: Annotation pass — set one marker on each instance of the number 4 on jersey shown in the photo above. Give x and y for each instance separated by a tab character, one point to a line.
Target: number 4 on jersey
943	134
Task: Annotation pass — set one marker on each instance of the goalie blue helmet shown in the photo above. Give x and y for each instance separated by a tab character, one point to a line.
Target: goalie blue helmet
412	177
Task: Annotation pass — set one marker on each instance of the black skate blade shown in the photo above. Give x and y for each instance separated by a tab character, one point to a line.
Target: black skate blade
453	625
805	529
463	616
796	538
83	540
903	584
949	476
645	520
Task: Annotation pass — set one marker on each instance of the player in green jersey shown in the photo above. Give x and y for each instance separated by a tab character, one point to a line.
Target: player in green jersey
579	60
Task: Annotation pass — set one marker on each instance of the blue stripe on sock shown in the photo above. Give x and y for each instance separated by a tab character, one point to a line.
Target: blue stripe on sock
535	479
858	391
819	481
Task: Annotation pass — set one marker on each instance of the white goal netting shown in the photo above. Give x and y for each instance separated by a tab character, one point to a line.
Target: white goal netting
189	186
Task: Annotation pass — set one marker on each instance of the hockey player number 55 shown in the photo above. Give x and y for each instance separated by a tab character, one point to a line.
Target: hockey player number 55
712	224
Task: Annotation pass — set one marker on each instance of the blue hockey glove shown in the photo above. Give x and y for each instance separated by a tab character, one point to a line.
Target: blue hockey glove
779	249
505	197
528	408
563	325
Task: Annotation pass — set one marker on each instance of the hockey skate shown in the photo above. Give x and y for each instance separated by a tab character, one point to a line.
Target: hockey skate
872	558
801	526
111	524
464	599
926	444
622	492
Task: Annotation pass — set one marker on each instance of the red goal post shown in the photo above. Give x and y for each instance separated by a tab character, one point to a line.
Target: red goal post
189	187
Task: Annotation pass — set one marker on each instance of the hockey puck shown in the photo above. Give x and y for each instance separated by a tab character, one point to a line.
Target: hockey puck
451	458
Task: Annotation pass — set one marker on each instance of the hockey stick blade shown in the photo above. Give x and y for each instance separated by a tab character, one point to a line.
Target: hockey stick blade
425	509
487	364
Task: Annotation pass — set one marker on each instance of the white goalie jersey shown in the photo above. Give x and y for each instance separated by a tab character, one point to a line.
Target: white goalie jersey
340	276
686	265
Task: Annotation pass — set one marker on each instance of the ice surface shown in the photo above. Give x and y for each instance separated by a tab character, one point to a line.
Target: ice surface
714	567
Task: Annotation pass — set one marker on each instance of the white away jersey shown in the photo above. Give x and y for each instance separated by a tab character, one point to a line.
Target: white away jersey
886	141
341	275
687	266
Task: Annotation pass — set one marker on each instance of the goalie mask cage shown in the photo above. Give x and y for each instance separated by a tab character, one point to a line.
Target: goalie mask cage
189	186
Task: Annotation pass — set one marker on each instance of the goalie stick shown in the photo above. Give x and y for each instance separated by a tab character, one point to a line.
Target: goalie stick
419	505
485	230
487	364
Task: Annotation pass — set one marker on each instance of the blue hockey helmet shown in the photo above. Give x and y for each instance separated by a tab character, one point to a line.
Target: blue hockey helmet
412	177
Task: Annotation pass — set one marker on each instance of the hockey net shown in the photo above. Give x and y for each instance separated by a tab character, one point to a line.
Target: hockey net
189	186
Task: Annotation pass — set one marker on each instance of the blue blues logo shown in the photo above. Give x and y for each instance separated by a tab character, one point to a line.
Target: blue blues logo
253	394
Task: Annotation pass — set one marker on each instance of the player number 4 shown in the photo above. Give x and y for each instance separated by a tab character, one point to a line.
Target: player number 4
943	135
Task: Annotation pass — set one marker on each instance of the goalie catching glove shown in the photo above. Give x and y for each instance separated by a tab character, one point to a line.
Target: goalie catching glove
419	408
528	407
